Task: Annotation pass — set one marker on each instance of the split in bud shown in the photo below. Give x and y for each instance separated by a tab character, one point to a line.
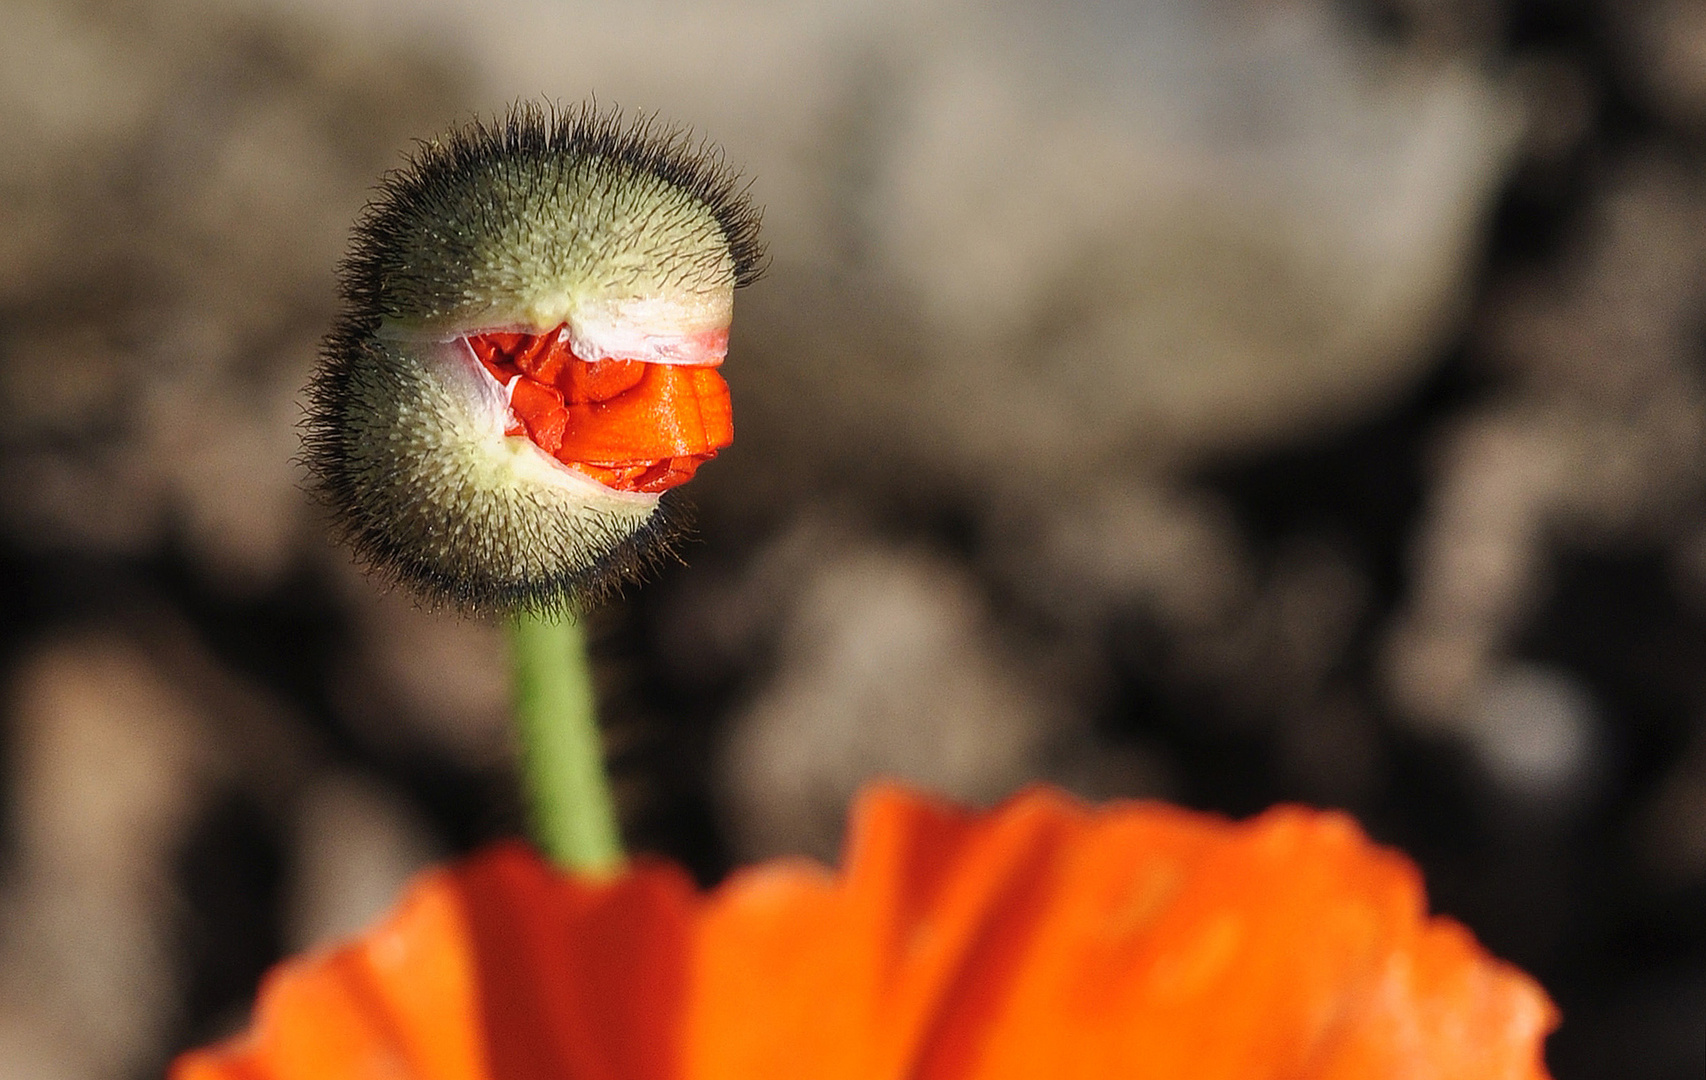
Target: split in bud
535	312
631	425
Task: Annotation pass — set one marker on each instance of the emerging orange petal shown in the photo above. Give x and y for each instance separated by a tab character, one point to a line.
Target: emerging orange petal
1041	939
630	425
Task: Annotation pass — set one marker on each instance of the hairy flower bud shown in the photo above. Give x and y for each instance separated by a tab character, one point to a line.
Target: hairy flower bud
534	314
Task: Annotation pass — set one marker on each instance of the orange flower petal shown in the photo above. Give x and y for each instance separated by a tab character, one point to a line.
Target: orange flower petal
1041	939
401	1002
498	968
630	425
672	411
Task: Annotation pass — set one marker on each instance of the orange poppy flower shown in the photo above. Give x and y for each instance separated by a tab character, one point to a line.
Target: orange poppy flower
1041	939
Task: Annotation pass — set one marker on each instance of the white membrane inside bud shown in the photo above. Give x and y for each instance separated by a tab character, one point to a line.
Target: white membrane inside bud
690	331
655	331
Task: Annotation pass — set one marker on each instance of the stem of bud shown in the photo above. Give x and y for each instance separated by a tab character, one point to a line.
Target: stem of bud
573	817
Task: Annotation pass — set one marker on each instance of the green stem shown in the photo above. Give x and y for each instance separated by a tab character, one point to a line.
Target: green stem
574	820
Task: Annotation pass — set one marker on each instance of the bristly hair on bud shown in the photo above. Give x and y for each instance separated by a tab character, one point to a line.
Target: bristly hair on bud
504	271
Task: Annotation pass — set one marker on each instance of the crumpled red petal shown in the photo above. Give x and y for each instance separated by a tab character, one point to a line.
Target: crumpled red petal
1044	938
630	425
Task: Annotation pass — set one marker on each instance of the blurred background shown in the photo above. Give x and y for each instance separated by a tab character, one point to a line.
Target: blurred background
1228	401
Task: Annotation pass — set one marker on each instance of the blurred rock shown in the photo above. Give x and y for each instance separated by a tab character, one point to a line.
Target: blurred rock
1663	49
1598	439
886	665
1537	731
1108	244
354	847
113	758
1251	224
1115	546
416	679
34	1047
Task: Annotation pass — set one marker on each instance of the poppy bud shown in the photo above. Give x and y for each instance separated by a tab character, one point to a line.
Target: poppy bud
534	314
